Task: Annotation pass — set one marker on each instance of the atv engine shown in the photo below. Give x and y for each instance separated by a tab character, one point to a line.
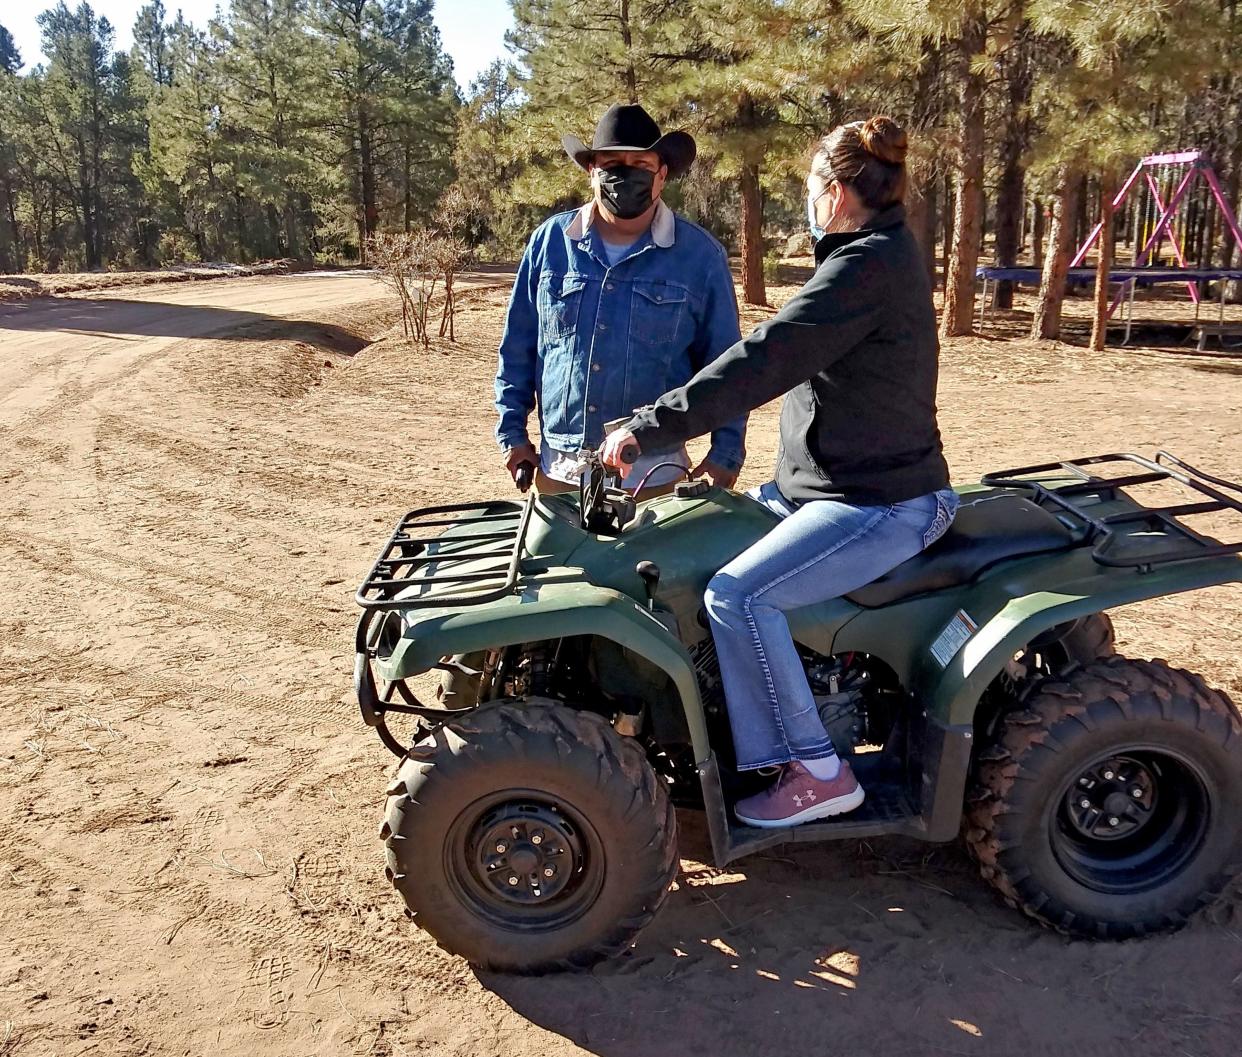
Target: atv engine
839	685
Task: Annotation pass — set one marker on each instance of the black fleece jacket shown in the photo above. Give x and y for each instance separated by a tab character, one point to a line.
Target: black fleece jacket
856	353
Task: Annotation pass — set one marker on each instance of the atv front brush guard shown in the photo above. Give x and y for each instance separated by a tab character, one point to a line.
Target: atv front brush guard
375	704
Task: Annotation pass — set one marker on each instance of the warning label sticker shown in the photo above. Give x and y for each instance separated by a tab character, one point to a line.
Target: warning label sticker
955	635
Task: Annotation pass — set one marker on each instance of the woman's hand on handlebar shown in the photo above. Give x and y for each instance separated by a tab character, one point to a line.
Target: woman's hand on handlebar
619	451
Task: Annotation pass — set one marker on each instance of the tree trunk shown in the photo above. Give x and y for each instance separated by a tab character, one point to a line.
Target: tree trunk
1037	233
921	206
1010	204
1099	328
916	211
366	158
1233	185
1046	323
946	227
959	288
753	290
407	198
18	262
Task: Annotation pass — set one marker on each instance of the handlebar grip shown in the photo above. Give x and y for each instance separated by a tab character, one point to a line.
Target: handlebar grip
629	454
525	475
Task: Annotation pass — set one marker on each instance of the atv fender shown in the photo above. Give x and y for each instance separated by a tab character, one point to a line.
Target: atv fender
955	695
544	610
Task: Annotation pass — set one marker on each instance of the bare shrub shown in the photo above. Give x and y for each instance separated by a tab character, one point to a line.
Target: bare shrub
409	262
455	215
414	262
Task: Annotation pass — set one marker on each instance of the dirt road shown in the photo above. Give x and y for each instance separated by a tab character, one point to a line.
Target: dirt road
193	479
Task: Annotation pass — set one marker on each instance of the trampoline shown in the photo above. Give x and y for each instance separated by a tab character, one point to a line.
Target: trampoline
1129	278
1158	211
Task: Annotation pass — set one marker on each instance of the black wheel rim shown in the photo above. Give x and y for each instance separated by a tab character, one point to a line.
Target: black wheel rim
1131	821
525	861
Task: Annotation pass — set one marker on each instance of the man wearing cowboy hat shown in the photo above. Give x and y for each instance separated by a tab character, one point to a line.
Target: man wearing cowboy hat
614	304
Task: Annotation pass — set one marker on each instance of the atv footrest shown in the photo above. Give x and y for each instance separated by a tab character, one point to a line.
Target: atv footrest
887	810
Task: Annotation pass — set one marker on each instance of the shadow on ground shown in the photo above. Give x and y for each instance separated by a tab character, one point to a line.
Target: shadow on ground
121	319
883	947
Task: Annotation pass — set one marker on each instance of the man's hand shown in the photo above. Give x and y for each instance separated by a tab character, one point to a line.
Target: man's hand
515	457
615	444
715	473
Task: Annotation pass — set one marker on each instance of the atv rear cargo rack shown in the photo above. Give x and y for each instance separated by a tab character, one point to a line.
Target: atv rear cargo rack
475	564
1109	534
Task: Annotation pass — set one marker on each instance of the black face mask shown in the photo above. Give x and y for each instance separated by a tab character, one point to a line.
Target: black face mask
626	190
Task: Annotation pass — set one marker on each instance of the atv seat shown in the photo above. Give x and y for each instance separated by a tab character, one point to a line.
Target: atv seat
984	532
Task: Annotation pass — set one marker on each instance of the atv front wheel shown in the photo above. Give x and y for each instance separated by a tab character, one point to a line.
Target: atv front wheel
1092	638
526	836
1111	805
457	689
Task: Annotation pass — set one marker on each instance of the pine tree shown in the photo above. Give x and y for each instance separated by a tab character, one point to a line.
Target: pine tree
739	67
488	157
417	161
85	106
10	57
269	67
153	43
1097	109
12	255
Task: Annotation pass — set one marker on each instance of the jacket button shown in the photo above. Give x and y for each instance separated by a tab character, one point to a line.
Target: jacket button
595	367
592	407
609	286
603	326
659	297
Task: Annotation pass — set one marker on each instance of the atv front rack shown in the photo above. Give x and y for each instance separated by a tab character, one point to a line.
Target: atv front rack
474	564
1112	536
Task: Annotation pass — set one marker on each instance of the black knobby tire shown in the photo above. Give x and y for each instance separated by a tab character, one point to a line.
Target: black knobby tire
457	690
1050	787
1092	638
534	769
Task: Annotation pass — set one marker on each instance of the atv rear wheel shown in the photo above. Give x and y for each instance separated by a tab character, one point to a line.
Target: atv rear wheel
1111	805
528	837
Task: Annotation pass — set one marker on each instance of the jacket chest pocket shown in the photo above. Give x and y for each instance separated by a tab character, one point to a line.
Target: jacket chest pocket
656	315
560	302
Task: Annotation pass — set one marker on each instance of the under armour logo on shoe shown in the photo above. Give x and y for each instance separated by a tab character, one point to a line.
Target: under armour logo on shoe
809	795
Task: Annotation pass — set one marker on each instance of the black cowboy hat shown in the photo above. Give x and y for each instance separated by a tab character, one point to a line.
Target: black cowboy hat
632	128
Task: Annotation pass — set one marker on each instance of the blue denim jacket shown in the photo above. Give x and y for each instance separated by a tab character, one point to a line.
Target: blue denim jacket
588	343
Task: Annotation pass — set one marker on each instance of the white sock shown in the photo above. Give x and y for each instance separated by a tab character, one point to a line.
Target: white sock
824	769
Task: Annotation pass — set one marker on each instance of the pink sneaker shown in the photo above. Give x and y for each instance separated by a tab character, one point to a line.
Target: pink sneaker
799	797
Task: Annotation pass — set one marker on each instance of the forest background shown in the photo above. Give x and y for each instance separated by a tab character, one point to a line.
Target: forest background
303	128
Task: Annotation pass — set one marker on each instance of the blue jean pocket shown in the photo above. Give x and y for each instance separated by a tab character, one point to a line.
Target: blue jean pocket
946	508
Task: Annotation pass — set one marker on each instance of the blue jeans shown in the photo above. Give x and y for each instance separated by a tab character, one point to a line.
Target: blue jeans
821	550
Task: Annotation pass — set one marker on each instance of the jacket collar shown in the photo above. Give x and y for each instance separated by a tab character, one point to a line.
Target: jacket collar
663	225
888	217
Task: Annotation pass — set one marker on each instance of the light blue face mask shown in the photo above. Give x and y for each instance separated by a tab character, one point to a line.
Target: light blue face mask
817	232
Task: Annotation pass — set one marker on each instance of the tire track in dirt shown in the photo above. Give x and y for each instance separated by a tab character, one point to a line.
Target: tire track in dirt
178	502
154	568
63	567
110	677
181	450
295	935
72	395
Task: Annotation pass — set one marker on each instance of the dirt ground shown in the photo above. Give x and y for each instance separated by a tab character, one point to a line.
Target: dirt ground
195	477
19	287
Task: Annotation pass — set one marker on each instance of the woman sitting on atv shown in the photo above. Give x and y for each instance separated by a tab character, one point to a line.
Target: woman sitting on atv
861	481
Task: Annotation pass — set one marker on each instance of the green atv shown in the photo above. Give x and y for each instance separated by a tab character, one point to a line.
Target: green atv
975	688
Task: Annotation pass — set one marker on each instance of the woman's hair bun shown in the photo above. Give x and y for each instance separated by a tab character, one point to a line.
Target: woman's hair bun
885	139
